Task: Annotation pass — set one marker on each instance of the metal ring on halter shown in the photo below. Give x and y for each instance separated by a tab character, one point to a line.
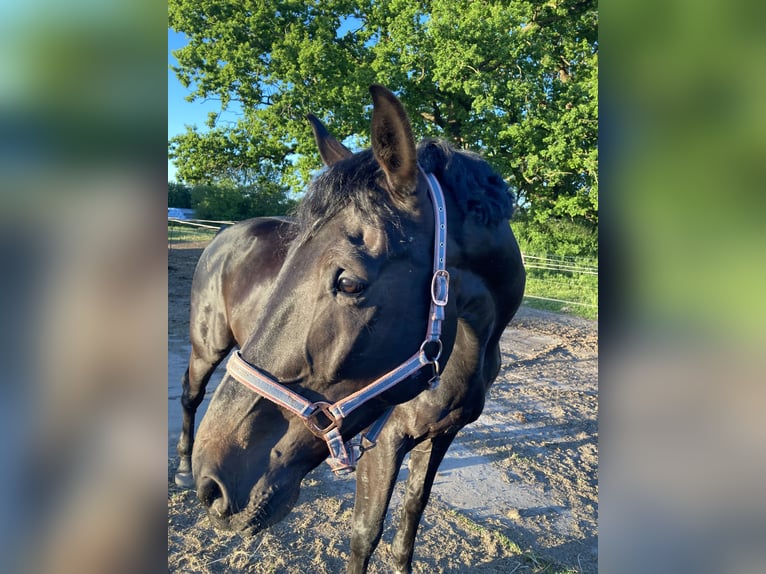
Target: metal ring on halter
313	424
438	353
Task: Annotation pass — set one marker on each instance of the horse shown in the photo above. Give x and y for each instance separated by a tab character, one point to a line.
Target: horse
378	307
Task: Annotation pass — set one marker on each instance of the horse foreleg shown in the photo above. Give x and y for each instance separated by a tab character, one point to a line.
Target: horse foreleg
375	478
424	462
194	382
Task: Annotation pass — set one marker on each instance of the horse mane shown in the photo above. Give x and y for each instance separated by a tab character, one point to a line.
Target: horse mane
477	189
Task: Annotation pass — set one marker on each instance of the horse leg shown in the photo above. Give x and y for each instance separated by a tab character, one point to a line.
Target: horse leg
194	381
375	478
424	462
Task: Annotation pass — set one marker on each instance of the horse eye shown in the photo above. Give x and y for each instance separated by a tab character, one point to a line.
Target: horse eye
350	286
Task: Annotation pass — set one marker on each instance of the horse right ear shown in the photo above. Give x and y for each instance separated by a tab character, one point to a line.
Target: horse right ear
330	149
393	144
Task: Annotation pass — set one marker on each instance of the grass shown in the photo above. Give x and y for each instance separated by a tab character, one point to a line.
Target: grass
516	457
532	562
579	291
179	233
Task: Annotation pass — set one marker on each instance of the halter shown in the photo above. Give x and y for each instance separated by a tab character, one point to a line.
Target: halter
343	455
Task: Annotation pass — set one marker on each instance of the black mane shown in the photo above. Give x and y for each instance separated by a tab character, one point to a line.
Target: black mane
476	188
478	191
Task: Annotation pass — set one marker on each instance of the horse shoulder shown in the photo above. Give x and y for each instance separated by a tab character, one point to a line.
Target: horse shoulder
478	324
459	399
493	253
236	268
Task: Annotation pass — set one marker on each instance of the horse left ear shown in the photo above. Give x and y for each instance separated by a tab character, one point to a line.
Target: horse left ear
393	144
330	149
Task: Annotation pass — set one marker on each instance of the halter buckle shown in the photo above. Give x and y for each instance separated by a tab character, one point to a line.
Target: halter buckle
440	287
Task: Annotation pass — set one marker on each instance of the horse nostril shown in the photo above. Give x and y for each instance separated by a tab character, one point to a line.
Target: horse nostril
212	494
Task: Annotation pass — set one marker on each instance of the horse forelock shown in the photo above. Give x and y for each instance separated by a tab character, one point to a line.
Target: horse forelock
349	184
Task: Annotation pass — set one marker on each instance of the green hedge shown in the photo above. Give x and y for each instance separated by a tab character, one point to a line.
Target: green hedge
557	237
230	202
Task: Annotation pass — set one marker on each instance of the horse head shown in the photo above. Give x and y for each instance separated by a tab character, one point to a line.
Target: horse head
350	303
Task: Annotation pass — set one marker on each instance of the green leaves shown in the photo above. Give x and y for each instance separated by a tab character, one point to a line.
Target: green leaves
516	80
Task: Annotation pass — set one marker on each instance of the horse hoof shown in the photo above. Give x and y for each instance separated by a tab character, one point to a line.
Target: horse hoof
185	479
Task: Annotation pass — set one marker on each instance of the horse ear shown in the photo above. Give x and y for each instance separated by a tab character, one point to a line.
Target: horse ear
330	149
393	143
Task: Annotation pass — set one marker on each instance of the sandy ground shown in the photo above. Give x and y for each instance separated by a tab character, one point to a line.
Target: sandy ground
517	492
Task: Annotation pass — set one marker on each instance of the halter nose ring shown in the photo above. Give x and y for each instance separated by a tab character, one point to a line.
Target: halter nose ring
312	421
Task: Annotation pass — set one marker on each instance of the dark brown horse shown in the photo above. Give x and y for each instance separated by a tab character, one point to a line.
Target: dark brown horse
343	314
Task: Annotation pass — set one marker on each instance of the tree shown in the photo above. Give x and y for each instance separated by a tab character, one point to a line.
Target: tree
229	201
179	195
513	79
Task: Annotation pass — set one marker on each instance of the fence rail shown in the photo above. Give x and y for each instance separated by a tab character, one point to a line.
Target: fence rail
555	264
590	305
563	281
199	223
185	230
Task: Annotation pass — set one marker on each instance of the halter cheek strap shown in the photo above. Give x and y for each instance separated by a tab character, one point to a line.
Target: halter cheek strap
343	455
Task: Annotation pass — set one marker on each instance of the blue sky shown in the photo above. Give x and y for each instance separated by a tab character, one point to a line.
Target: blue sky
180	112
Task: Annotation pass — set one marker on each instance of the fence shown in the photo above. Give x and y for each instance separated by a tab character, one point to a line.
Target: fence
559	282
554	283
184	230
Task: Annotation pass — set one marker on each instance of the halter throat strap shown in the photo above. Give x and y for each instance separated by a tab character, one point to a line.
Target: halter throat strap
323	418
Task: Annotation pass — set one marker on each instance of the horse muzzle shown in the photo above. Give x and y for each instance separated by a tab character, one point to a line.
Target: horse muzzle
265	506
